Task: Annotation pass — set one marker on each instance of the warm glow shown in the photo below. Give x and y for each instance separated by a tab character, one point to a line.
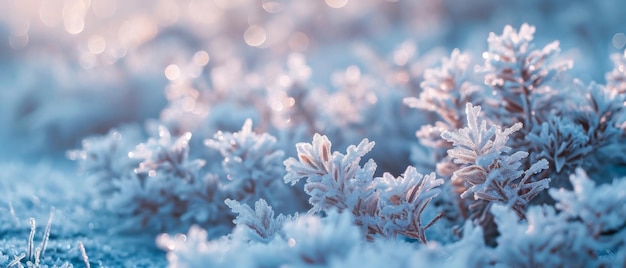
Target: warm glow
96	44
201	58
255	36
336	3
172	72
299	42
74	13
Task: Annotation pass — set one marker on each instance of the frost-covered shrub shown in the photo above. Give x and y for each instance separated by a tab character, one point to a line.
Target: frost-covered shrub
564	121
384	206
158	186
252	164
543	239
521	75
600	208
306	241
258	224
616	79
490	173
581	230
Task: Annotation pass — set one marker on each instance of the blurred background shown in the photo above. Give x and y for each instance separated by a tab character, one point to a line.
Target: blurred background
73	68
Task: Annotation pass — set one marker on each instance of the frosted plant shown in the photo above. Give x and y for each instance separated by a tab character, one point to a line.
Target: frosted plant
259	224
596	129
333	180
193	250
252	165
154	193
384	206
601	208
308	240
603	118
616	79
316	241
32	255
445	90
543	239
105	158
146	203
562	142
577	136
489	173
166	156
402	202
291	98
517	71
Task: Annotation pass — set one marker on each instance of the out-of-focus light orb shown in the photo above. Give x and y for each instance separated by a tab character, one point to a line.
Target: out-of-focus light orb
188	104
137	30
172	72
96	44
619	40
336	3
104	8
51	12
255	36
74	15
201	58
272	6
299	42
18	41
353	74
168	12
87	61
20	27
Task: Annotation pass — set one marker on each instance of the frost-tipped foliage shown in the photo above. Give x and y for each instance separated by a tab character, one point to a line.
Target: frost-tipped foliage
155	194
564	121
166	156
163	186
252	163
445	90
588	226
601	208
105	158
291	99
308	241
517	71
588	135
311	241
384	206
544	239
402	201
333	180
29	253
602	118
259	224
616	79
490	173
316	241
562	142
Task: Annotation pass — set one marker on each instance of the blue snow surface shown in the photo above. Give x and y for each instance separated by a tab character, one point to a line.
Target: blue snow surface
125	125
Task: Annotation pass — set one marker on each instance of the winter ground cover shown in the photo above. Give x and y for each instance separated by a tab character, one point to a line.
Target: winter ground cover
330	133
